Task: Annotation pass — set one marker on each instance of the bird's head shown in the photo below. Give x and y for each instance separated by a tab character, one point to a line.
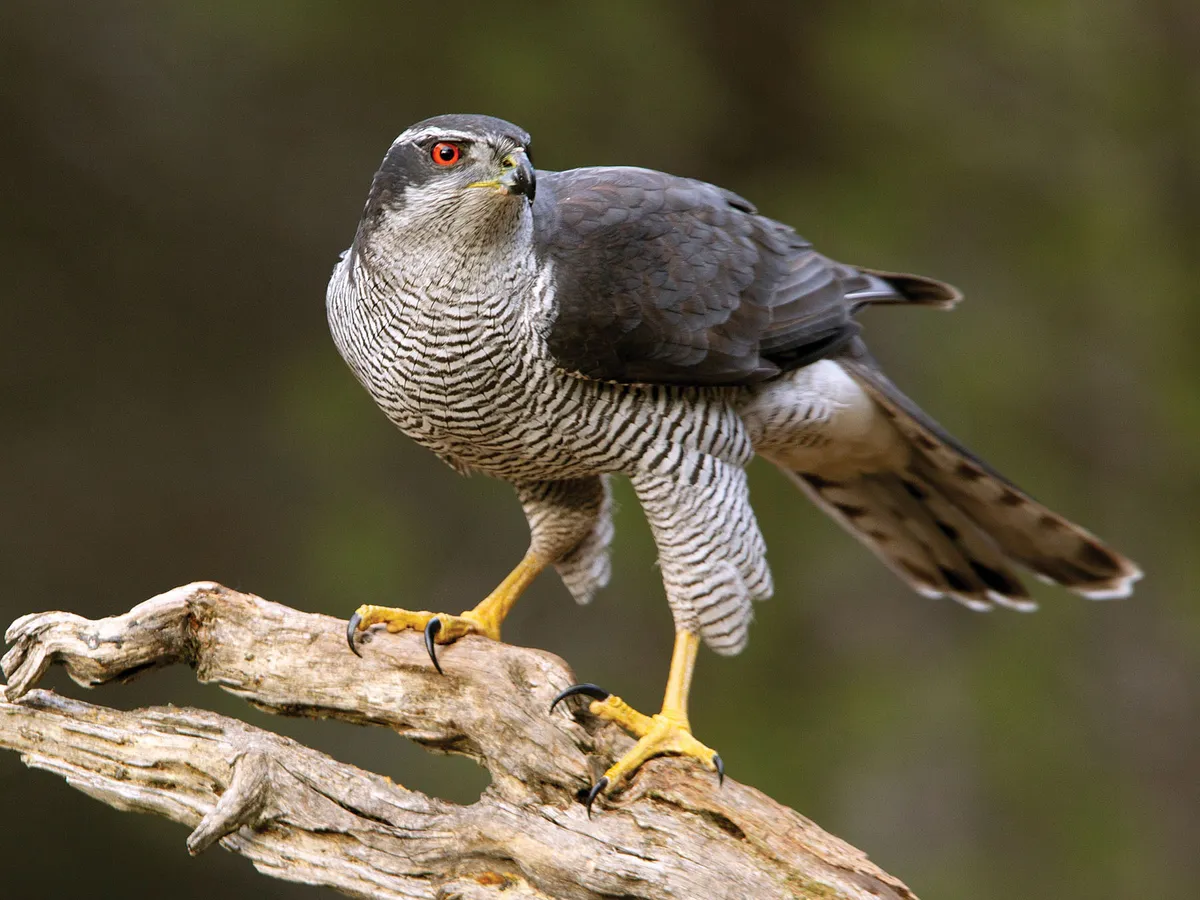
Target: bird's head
463	178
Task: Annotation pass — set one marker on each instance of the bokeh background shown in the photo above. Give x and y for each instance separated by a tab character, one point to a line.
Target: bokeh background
178	179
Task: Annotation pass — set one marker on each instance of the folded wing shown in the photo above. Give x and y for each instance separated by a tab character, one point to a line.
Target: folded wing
660	279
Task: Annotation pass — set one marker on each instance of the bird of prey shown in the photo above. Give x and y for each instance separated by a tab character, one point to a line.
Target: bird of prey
554	329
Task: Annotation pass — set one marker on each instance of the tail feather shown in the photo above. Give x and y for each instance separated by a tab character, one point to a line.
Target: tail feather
920	534
1022	529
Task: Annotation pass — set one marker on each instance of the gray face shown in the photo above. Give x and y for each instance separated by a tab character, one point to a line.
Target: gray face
450	175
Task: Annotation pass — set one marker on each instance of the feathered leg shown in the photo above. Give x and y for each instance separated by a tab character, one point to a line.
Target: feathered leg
713	563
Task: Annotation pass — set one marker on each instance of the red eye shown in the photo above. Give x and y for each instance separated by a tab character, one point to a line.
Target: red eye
445	153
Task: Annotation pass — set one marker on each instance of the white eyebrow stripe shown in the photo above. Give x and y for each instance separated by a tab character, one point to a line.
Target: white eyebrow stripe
426	133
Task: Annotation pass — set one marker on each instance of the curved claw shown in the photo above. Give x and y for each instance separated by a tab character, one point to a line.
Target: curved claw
431	630
595	791
351	630
590	690
720	769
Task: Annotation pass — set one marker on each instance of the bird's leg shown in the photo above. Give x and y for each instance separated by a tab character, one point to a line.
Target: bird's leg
443	628
668	732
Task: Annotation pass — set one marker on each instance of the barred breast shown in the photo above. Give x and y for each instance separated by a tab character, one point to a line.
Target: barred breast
467	375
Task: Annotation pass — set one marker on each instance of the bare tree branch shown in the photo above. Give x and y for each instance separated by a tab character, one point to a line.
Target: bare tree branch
298	814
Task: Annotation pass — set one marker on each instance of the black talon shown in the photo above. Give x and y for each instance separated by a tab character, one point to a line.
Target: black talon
431	630
591	690
591	795
720	769
351	630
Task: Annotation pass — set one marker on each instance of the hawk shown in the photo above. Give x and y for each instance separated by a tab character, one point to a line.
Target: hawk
554	329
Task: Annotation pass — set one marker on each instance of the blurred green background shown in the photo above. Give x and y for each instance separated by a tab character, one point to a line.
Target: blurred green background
178	179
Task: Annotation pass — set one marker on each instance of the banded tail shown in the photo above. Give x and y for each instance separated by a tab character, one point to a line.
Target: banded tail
949	524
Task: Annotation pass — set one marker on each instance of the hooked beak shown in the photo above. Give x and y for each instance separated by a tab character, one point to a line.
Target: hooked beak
516	176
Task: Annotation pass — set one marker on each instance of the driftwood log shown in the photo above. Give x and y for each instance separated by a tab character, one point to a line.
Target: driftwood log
300	815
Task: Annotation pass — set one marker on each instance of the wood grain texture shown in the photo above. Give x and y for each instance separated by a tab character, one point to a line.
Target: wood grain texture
300	815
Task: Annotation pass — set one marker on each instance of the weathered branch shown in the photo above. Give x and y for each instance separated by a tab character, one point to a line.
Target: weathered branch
300	815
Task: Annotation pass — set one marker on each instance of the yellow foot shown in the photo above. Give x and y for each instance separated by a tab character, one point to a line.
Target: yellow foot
439	628
667	733
442	628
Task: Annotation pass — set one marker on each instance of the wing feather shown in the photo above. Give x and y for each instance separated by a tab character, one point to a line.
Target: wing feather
662	279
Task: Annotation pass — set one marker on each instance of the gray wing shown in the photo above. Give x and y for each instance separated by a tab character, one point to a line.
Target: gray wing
661	279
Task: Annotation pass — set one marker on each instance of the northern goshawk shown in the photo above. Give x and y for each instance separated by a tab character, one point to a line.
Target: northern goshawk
622	320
